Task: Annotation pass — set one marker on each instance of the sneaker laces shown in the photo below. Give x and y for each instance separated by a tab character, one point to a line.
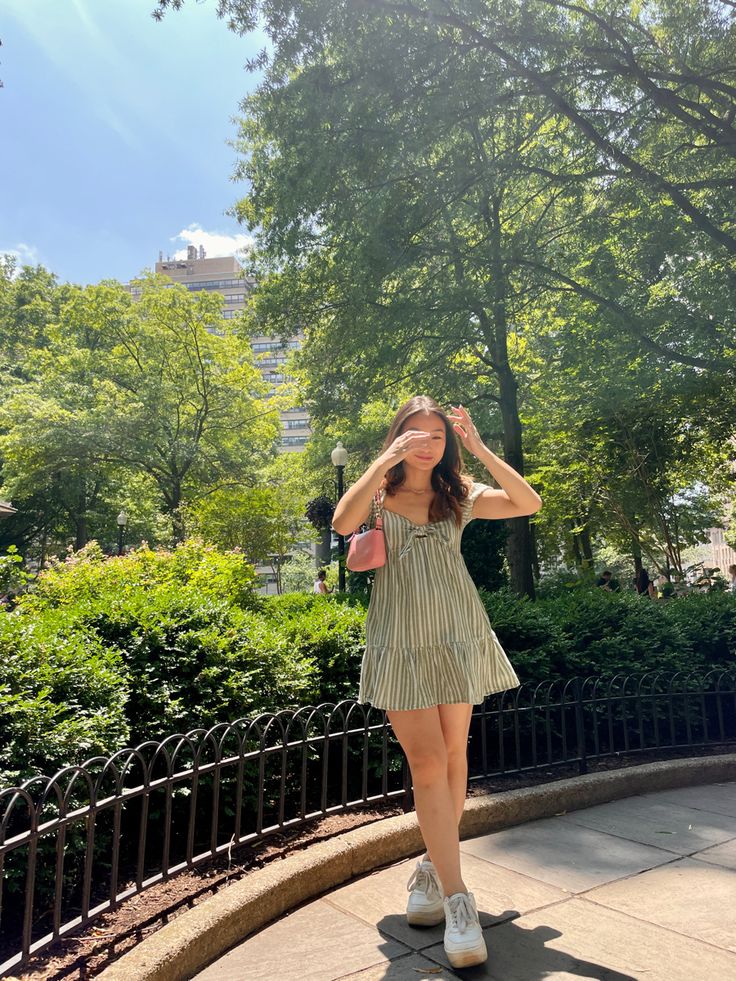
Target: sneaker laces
426	881
461	911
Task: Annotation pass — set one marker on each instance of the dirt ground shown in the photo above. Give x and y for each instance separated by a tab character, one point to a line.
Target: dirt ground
87	953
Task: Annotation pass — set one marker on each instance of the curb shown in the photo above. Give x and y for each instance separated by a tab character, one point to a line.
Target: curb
196	938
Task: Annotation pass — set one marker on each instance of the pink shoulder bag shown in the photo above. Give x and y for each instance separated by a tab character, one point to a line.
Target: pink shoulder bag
368	548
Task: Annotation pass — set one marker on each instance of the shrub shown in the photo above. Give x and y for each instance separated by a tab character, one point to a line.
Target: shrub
89	575
706	622
532	641
62	697
106	652
330	633
195	661
615	632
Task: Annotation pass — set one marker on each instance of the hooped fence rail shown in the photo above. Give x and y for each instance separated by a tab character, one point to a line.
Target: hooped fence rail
77	844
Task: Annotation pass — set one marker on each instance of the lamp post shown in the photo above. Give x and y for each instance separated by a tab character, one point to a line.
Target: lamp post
122	522
339	458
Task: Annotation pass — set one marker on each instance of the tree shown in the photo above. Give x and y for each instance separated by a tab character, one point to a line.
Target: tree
266	523
466	198
146	387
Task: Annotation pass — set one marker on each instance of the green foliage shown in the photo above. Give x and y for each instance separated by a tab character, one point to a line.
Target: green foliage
156	385
618	632
460	210
107	652
89	579
588	631
707	623
195	661
328	632
483	551
298	574
63	695
12	576
534	645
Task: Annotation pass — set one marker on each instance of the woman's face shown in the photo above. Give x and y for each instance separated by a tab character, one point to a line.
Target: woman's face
430	423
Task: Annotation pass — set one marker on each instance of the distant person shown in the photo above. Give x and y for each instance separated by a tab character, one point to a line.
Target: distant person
606	581
732	574
320	584
644	585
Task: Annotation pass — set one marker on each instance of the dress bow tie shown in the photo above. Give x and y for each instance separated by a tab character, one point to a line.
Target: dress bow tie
419	531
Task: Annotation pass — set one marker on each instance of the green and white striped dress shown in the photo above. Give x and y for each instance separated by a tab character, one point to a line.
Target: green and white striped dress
428	637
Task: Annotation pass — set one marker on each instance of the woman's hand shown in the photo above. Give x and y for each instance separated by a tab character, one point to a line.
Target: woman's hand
408	442
463	426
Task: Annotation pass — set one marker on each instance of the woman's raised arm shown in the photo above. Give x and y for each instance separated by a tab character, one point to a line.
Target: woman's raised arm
354	506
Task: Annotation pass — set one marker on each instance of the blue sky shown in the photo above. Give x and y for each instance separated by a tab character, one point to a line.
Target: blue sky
113	131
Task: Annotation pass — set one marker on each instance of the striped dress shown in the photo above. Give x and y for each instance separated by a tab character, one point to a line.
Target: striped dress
428	637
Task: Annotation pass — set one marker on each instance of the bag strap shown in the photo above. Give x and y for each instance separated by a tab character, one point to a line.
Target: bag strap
375	515
376	510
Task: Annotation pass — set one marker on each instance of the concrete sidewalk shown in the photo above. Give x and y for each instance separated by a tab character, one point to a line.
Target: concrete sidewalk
640	888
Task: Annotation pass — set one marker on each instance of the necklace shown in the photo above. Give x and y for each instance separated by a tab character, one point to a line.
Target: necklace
411	490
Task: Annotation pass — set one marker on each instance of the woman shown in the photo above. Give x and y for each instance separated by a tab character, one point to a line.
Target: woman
430	651
320	583
644	585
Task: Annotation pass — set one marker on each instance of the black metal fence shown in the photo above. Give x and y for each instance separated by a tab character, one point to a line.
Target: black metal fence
78	844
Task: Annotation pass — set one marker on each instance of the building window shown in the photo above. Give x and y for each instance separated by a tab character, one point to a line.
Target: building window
274	345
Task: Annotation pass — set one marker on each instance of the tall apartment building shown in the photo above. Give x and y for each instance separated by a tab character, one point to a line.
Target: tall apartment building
224	275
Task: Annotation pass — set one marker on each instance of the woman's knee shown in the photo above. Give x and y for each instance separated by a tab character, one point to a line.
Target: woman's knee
427	766
420	734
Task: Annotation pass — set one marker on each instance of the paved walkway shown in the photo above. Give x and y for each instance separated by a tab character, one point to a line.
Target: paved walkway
641	888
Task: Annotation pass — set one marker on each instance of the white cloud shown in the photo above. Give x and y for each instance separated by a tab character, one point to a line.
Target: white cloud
25	255
214	243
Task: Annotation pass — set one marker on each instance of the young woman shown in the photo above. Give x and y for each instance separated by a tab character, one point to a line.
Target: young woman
643	584
430	651
320	583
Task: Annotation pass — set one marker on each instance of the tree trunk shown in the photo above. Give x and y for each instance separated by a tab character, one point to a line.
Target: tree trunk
535	553
636	553
575	545
80	520
178	530
324	548
519	542
586	546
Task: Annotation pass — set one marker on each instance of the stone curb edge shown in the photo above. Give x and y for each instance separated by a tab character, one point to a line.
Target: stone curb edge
194	939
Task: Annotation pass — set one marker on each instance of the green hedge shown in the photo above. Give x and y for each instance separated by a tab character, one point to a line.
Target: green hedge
589	631
108	652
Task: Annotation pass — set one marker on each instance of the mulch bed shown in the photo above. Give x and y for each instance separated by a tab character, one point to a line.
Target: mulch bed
87	953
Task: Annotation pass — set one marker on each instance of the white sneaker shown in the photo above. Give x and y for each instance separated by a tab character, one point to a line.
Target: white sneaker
464	943
425	906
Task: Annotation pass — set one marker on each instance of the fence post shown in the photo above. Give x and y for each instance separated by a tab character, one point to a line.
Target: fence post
579	728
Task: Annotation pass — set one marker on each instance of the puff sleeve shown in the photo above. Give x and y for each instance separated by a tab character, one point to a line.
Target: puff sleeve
476	489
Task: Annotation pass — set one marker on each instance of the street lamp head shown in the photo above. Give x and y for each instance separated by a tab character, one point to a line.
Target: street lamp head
122	519
339	455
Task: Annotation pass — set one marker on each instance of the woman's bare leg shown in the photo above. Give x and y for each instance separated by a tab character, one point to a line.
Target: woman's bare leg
420	734
455	722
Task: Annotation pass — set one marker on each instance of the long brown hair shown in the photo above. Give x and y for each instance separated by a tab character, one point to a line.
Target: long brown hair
448	480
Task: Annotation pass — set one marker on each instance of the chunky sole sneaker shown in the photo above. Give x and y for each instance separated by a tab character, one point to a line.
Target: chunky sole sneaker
425	906
464	943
